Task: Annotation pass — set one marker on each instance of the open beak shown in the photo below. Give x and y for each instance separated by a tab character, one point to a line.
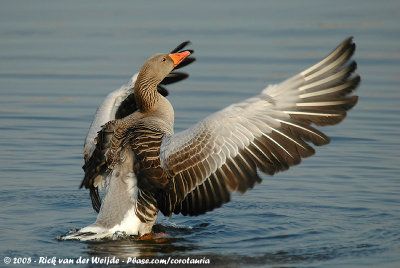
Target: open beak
179	57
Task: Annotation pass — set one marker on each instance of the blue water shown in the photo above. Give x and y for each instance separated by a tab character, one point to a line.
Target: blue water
58	59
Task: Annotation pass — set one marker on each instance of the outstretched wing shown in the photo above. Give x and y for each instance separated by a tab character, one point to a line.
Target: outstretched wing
117	105
269	132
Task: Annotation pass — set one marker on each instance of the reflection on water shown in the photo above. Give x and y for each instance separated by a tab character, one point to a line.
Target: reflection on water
167	240
131	247
181	242
180	248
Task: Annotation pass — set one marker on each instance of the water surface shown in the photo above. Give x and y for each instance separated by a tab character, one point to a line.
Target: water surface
58	60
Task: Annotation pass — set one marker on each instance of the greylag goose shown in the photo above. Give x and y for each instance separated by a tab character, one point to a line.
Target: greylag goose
145	167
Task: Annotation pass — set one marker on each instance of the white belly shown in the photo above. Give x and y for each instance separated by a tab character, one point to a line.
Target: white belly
118	207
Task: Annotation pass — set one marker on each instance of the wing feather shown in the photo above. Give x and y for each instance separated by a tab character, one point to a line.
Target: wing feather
270	132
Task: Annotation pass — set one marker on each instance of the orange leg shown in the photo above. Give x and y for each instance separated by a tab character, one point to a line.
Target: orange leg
157	237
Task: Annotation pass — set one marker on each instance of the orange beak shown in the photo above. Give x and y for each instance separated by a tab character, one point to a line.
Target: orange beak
179	57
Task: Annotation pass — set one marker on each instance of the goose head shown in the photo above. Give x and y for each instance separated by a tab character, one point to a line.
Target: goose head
158	66
153	71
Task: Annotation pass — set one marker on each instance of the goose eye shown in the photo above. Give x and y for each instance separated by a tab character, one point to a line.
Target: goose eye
164	59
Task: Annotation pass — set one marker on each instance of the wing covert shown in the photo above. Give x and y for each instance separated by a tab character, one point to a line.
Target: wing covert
269	132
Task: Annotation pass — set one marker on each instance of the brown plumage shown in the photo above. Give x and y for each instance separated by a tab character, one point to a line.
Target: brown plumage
195	171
